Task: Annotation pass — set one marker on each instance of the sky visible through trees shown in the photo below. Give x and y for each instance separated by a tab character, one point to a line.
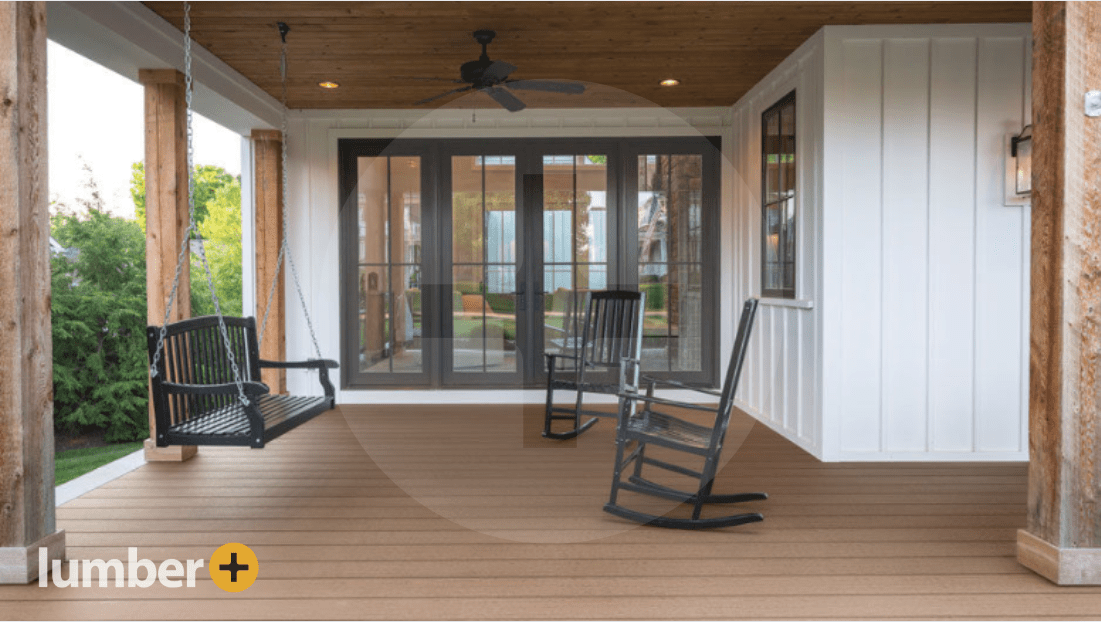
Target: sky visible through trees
105	132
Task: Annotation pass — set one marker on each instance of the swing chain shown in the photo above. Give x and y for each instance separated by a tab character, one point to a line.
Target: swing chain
284	247
188	89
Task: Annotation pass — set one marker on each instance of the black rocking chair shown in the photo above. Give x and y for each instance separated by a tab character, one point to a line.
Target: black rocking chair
612	332
647	426
196	400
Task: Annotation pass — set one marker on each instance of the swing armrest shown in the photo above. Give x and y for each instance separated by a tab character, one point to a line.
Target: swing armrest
229	388
310	364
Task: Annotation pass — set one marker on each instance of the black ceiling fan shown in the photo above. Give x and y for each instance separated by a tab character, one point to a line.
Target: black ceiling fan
491	77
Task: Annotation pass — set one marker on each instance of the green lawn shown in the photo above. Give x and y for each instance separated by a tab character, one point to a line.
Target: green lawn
76	462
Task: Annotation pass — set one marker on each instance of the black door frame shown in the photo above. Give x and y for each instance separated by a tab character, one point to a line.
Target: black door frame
436	243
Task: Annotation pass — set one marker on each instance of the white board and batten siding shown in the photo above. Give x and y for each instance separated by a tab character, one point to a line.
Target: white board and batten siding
912	297
781	381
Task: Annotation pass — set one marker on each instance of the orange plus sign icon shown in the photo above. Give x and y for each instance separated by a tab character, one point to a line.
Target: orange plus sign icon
234	567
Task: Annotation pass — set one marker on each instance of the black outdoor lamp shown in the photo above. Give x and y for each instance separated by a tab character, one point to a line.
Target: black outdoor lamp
1021	150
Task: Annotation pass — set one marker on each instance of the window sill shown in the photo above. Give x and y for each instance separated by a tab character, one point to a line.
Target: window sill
787	302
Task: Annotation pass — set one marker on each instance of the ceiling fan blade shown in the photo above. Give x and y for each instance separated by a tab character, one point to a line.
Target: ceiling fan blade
497	72
550	86
506	99
451	92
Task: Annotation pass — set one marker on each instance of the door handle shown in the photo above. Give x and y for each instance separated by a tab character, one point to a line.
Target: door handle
521	297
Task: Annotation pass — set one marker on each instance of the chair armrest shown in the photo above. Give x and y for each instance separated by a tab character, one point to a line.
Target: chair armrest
663	402
310	364
229	388
680	385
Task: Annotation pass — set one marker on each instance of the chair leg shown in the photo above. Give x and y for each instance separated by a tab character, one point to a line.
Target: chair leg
550	405
549	416
617	471
707	479
577	409
641	458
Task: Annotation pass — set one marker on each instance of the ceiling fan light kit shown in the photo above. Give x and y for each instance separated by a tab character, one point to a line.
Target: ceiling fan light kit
492	78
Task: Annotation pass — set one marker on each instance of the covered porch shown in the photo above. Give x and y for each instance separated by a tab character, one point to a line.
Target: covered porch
382	512
422	510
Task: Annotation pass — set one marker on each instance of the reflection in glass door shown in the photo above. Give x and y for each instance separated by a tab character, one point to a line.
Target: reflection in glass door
575	243
389	318
484	252
670	260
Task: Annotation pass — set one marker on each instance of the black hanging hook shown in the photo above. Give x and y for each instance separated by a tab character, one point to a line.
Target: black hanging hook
283	30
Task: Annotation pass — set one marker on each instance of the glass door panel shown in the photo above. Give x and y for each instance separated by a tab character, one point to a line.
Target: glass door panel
389	322
575	242
484	265
670	260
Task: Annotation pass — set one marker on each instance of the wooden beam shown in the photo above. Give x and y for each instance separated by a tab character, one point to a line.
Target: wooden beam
166	214
27	513
1063	538
267	159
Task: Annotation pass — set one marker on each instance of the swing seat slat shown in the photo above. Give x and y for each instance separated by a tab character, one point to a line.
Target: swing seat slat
195	398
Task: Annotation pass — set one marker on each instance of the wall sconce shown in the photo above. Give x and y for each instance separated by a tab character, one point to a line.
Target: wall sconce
1021	150
1018	168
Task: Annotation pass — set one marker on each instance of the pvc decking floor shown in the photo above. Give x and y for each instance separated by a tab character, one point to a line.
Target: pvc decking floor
400	512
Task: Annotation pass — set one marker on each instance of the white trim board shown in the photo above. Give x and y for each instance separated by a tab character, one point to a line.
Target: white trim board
91	480
127	36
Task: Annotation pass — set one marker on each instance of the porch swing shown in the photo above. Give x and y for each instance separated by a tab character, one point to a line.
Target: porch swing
205	371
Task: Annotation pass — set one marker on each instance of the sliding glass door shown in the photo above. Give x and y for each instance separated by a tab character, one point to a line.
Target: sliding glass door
463	262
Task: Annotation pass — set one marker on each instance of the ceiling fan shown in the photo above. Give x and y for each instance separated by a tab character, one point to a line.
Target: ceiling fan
491	77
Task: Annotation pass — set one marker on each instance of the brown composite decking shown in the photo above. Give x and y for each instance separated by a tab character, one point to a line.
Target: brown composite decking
445	512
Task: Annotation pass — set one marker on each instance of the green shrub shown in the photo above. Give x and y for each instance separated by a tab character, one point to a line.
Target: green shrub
99	318
655	296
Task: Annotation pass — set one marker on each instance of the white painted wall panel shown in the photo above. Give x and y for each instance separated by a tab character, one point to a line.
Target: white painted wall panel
905	243
1000	253
926	268
952	243
861	296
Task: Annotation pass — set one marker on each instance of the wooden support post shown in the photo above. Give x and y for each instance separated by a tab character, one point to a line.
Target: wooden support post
166	213
1063	538
268	175
27	516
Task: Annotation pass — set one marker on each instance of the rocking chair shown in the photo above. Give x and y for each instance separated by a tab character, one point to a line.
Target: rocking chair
612	331
650	427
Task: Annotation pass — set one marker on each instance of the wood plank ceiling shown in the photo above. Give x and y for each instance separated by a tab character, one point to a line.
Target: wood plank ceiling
376	50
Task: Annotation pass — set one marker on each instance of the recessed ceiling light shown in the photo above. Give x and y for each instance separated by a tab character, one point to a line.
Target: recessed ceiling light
328	85
670	82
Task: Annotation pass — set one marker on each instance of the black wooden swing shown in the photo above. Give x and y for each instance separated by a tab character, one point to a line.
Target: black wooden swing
205	371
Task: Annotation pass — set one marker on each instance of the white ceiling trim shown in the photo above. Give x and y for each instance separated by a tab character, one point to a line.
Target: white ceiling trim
127	36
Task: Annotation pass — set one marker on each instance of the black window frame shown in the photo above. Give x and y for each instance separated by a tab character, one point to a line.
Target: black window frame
787	289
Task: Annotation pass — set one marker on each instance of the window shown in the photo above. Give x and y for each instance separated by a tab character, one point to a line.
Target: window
778	199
